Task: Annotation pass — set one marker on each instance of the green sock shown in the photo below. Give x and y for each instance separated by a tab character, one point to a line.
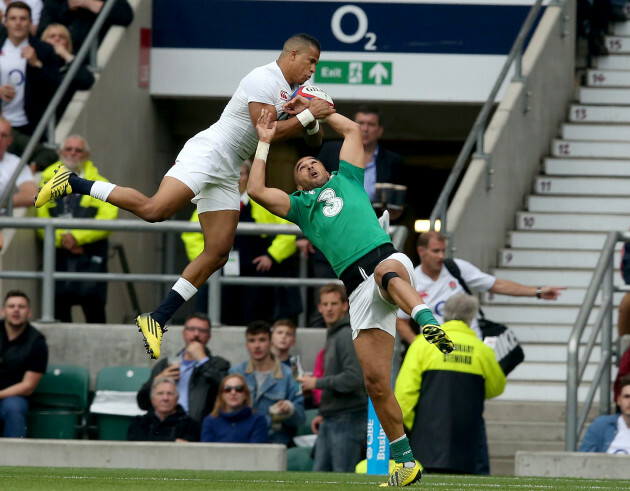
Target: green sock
424	317
401	451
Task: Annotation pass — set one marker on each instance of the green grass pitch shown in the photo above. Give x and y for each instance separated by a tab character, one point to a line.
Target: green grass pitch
45	478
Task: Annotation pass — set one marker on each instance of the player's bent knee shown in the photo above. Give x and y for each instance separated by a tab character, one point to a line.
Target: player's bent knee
387	277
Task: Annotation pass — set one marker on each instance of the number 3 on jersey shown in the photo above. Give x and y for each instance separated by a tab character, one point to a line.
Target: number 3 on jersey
333	205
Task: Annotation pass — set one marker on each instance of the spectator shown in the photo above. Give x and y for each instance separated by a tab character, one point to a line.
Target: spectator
318	372
272	385
442	398
79	250
282	340
256	256
623	322
25	184
436	284
36	11
165	421
24	356
79	15
58	36
30	70
611	433
198	374
341	423
232	420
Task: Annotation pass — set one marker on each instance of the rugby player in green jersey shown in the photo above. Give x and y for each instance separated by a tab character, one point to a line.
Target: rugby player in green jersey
336	215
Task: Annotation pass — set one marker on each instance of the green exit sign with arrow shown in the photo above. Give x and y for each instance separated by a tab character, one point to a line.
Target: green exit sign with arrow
354	72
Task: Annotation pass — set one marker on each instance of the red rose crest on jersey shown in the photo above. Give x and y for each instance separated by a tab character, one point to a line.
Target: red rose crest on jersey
452	284
423	294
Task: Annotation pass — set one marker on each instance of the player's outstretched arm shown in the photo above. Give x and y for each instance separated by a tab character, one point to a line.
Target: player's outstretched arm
275	200
352	148
507	287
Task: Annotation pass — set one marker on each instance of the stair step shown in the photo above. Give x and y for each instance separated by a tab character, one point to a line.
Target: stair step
593	241
586	167
543	411
538	369
502	466
617	44
583	186
590	149
604	95
599	114
596	132
570	296
540	258
543	313
577	204
528	333
608	78
560	277
540	391
510	431
616	62
526	220
621	28
507	449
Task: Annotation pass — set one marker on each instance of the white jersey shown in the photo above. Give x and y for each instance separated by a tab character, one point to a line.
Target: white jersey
436	293
8	164
13	72
234	130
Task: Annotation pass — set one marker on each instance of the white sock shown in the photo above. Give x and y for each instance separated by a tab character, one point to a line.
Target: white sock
417	309
185	288
100	190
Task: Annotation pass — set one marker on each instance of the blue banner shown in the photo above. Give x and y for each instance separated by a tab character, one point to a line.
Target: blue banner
377	445
463	28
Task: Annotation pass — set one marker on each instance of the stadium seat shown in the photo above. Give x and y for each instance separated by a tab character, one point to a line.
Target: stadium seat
121	379
57	407
305	428
299	459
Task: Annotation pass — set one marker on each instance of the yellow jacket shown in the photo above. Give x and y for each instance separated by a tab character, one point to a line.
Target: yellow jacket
282	247
471	356
88	208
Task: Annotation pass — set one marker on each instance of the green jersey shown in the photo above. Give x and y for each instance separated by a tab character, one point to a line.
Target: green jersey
338	218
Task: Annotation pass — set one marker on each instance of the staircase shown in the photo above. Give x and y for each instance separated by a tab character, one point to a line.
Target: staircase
582	193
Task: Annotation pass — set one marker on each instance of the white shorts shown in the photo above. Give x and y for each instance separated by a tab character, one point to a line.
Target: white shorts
369	310
211	171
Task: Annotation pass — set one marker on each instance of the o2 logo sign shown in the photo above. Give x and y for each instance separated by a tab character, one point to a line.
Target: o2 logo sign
361	31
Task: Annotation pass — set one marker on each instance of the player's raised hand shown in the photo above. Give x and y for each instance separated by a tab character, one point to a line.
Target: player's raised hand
265	127
296	105
320	108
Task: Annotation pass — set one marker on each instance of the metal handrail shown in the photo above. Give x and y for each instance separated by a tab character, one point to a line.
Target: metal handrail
48	275
476	135
49	114
602	279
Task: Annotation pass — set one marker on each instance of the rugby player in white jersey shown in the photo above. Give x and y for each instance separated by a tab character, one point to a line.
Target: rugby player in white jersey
207	171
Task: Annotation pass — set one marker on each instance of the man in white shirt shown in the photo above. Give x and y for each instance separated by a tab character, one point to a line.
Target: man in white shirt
436	284
208	169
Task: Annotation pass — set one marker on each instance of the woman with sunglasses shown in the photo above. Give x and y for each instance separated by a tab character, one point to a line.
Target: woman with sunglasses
233	420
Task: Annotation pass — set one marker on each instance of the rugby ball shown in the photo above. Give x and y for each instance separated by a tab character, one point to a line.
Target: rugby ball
309	91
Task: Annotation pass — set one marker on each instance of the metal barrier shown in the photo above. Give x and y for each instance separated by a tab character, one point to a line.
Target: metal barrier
48	275
602	280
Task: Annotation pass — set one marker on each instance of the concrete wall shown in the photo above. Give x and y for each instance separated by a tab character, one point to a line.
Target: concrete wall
95	346
517	137
142	455
581	465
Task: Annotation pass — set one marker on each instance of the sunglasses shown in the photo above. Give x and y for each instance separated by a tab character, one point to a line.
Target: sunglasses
230	388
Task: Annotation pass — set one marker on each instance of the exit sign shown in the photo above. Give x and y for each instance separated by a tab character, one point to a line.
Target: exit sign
354	72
